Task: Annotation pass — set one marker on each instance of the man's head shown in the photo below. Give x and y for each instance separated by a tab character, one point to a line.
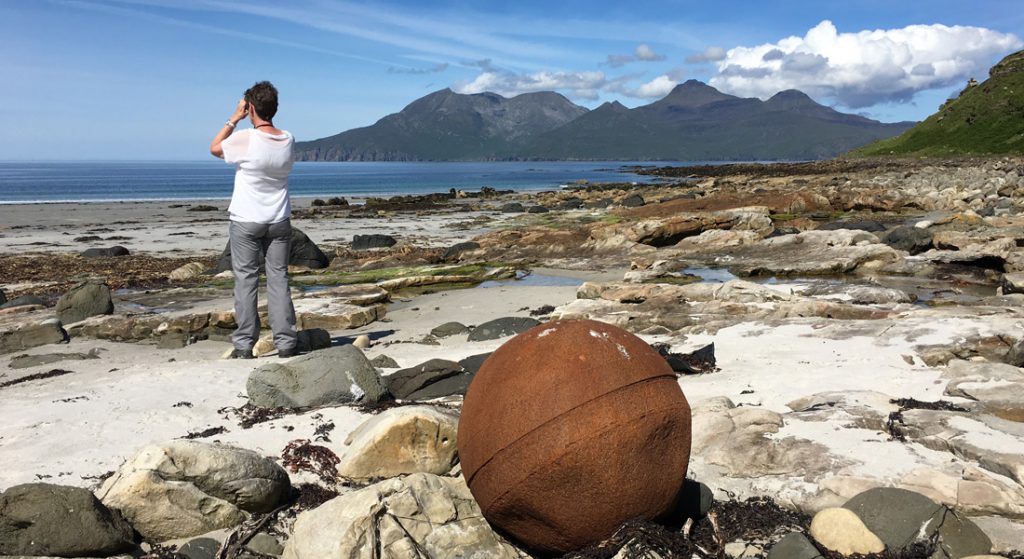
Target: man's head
262	98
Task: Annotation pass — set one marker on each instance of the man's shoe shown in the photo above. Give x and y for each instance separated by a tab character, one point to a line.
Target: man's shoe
286	353
242	354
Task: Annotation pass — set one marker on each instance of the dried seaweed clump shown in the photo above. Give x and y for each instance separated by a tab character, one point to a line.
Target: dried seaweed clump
302	455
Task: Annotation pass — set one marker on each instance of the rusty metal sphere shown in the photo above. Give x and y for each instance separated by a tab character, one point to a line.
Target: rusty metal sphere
570	429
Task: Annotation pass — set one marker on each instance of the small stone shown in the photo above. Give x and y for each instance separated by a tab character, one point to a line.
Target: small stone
362	342
449	329
188	271
367	242
264	346
455	250
227	353
105	252
794	546
502	327
384	362
265	544
840	530
200	548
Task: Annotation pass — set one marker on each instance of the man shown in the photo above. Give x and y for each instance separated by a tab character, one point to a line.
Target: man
260	214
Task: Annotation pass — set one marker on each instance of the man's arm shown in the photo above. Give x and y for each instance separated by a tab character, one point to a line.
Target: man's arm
229	127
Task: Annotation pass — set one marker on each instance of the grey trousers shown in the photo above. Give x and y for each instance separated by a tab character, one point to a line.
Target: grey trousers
248	240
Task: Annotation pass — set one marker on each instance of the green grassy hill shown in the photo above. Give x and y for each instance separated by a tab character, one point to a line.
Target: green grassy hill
986	119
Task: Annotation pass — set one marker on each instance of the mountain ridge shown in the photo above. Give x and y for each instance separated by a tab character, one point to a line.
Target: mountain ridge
694	121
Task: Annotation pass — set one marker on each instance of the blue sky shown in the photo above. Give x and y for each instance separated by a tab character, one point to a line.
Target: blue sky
119	79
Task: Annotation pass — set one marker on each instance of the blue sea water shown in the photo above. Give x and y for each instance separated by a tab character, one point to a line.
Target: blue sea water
96	181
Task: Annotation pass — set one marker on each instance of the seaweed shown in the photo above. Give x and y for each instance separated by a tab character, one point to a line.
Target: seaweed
302	455
38	376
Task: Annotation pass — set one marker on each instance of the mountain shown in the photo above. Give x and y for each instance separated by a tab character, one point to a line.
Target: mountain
446	125
986	118
693	122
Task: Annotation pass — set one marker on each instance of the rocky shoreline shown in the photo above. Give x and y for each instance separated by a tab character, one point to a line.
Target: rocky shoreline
867	349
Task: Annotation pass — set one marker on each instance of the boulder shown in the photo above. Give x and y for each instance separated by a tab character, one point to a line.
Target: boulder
188	271
367	242
473	363
914	240
384	362
41	519
330	313
337	375
458	248
794	546
569	430
449	329
512	207
633	201
854	225
22	301
26	336
401	384
313	339
3	297
402	440
1013	283
303	252
900	517
840	530
537	210
84	300
420	516
105	252
186	488
501	327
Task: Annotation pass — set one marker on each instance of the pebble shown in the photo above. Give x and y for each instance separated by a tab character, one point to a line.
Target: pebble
362	342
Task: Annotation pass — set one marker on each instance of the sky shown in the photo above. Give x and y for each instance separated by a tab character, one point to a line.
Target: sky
155	79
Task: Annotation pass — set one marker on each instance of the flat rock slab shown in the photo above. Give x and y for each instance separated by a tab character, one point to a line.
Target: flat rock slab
19	337
334	314
502	327
401	384
362	294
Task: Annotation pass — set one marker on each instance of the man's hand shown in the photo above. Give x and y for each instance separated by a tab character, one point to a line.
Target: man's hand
241	111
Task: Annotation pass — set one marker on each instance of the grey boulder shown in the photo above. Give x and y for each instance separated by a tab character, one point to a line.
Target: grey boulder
911	239
41	519
367	242
26	336
117	250
449	329
302	252
458	248
23	300
84	300
337	375
501	327
404	383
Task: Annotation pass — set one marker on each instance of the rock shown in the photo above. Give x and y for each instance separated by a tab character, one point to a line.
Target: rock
573	203
420	516
512	207
367	242
29	335
633	201
569	430
1013	283
3	297
401	384
695	501
794	546
501	327
25	361
914	240
458	248
22	301
303	252
1015	356
41	519
854	225
362	341
384	362
473	363
337	375
105	252
313	339
84	300
402	440
840	530
997	387
537	210
264	346
900	517
265	544
360	294
200	548
450	386
334	313
188	271
449	329
187	488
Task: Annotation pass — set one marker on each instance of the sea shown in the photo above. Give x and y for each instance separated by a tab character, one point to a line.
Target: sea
117	181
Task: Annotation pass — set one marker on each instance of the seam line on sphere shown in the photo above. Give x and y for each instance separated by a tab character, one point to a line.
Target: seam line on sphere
567	412
575	443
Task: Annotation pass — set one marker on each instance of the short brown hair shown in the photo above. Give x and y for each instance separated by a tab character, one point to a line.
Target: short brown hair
263	97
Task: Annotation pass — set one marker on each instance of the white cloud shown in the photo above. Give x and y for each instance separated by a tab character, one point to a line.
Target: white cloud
656	88
710	54
864	68
581	85
642	53
435	69
647	54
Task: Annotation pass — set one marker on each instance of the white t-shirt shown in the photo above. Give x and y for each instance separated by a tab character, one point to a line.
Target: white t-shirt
262	162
